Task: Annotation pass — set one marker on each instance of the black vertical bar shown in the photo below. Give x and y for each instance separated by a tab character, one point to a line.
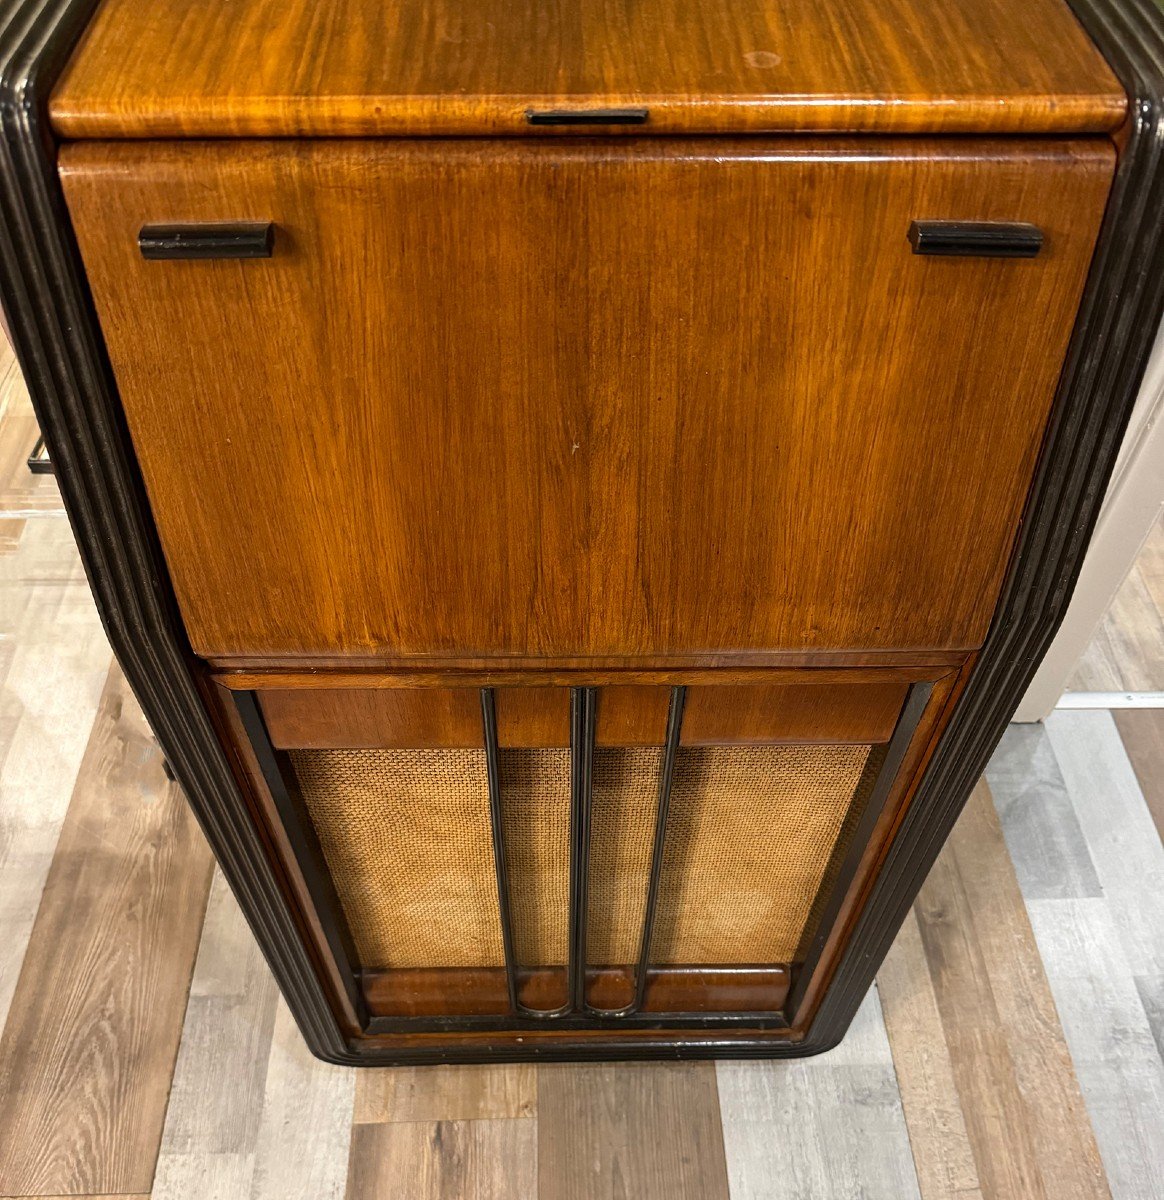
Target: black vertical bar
907	723
489	725
582	707
306	848
674	725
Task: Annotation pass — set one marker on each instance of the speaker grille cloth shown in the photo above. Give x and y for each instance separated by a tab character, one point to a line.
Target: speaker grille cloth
750	834
407	838
625	799
535	806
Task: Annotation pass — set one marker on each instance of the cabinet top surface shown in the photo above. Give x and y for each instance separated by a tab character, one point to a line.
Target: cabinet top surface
182	68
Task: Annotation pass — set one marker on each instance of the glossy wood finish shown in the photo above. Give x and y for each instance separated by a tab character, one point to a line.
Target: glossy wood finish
792	713
390	719
843	668
479	991
528	717
263	67
586	487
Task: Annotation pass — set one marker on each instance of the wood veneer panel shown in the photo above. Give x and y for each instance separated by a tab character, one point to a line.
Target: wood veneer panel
418	992
90	1040
267	67
760	713
397	437
384	718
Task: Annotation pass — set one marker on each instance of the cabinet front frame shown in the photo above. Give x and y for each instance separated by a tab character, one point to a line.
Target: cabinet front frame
687	999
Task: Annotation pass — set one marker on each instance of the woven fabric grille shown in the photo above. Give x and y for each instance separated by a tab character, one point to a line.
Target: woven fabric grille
407	838
622	830
535	806
750	835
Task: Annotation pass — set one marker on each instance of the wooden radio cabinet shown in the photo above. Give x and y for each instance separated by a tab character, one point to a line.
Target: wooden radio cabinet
578	492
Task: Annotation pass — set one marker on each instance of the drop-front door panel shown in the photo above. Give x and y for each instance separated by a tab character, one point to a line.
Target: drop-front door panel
586	399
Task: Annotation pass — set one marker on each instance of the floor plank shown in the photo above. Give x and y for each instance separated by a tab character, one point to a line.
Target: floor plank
280	1126
1103	956
447	1160
1142	732
54	659
1023	1108
826	1126
89	1045
457	1093
305	1129
942	1154
1126	654
1120	833
1046	845
614	1130
1111	1041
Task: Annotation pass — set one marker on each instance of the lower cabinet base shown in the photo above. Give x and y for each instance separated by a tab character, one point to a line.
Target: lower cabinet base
582	871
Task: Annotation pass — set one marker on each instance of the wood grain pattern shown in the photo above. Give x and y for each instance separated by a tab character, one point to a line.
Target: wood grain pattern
453	67
1142	733
301	1152
55	660
91	1037
471	452
792	713
825	1126
610	1131
1021	1100
444	1160
460	1093
388	718
1121	836
277	1127
1046	845
942	1154
422	991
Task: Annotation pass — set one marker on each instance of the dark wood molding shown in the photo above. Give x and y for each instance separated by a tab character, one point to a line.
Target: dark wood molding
59	346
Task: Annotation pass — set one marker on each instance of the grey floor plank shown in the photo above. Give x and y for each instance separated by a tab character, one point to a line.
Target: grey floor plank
1038	820
1121	836
1151	992
208	1148
280	1122
306	1124
1110	1038
827	1126
1102	953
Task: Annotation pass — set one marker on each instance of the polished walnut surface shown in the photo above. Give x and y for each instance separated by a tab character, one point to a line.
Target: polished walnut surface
363	67
586	399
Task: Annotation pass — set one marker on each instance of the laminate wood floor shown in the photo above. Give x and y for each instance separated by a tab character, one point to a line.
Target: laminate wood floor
1127	652
1011	1049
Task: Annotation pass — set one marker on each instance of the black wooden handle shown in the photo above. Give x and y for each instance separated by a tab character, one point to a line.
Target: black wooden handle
976	239
237	239
587	116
